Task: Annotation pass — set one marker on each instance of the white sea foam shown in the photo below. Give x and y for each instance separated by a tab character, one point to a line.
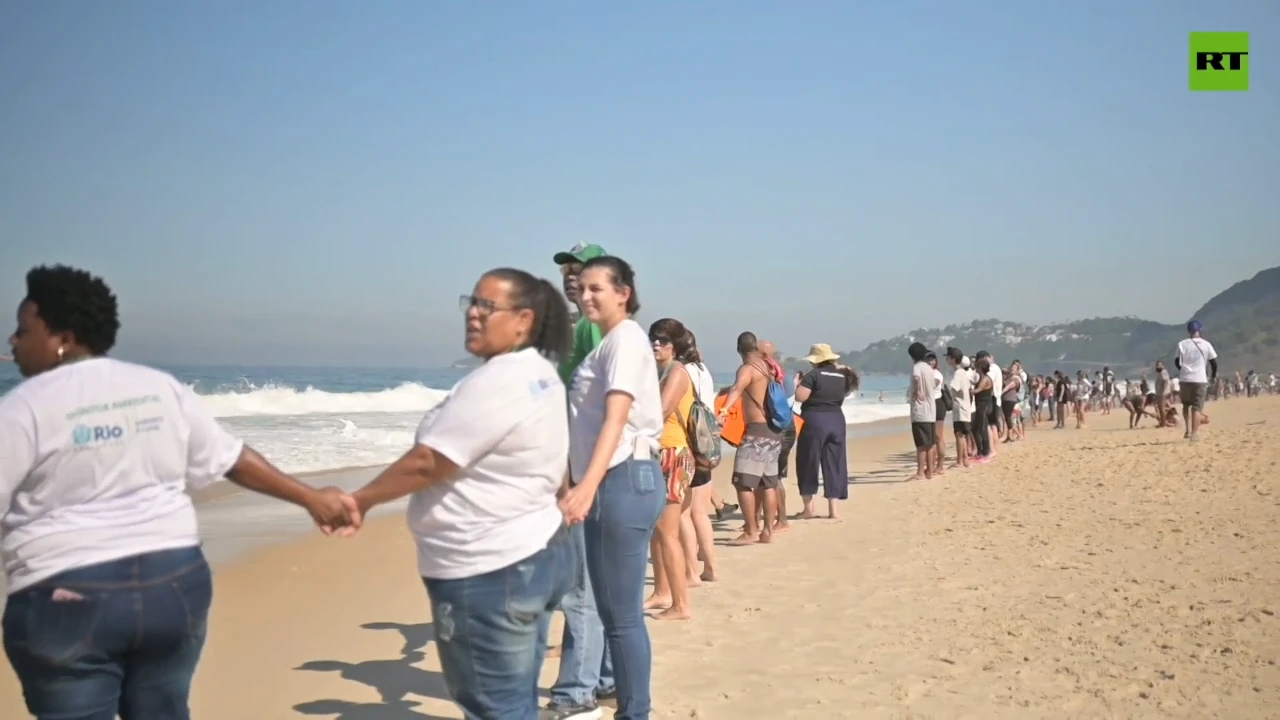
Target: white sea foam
273	399
309	430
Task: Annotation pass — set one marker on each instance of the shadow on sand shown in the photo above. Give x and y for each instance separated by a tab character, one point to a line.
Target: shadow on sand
392	679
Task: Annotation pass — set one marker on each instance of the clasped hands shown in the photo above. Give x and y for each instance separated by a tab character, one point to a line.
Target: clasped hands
335	511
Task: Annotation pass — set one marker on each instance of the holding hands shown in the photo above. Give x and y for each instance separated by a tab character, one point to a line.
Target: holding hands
334	511
576	502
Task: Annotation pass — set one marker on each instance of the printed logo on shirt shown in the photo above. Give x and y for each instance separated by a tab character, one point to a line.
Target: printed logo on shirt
87	436
150	424
539	386
121	404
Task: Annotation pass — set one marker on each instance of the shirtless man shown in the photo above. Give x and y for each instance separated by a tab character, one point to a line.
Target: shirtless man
755	464
770	354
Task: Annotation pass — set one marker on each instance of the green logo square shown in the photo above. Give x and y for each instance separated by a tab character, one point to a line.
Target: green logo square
1220	61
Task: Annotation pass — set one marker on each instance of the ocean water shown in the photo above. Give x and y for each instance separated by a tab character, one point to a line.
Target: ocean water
315	419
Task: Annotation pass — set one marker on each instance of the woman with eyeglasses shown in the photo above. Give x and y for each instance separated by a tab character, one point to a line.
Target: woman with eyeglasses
483	476
672	348
109	592
615	420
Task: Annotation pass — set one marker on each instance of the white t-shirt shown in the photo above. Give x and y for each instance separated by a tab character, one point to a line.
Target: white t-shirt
1175	386
1194	355
962	384
94	459
622	362
937	388
997	381
922	384
703	384
506	427
1084	389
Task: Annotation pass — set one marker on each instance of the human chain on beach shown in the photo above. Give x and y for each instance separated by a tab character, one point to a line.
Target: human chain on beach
525	491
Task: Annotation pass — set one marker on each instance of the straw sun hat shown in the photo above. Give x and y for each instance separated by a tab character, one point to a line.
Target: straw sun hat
821	353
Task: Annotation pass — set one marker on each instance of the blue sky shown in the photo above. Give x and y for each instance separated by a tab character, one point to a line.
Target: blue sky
317	182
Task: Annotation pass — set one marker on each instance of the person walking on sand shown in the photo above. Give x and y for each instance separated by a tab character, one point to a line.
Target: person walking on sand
923	412
615	420
483	477
109	591
755	464
1197	363
822	443
1162	393
770	352
586	668
672	348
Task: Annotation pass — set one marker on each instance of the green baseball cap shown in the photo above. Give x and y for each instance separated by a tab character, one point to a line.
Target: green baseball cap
579	253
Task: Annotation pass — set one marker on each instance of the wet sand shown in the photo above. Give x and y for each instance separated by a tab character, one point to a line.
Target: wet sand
1094	573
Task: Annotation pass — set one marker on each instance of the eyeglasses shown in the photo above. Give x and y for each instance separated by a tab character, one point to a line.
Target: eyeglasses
483	306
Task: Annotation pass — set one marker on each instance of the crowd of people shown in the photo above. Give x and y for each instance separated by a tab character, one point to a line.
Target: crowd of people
546	480
988	405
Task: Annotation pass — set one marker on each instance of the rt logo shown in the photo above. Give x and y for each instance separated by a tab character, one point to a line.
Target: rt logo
85	435
1220	61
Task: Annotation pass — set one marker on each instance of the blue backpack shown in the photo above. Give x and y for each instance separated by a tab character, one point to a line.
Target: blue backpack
777	406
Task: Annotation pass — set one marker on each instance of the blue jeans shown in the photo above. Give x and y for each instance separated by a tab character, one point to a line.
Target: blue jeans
119	637
618	530
585	666
491	630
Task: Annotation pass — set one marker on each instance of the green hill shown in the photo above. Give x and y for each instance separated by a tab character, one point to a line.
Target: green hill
1243	323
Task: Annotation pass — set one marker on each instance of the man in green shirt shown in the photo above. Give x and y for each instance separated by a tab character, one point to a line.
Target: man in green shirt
586	669
586	336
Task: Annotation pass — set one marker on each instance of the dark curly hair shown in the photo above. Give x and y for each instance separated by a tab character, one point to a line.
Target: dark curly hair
686	350
70	300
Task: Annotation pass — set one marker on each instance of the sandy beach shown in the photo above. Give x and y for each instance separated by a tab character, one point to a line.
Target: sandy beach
1083	574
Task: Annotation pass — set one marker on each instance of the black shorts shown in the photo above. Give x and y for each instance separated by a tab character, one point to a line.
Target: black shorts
961	428
924	434
700	478
1006	407
940	409
784	456
993	412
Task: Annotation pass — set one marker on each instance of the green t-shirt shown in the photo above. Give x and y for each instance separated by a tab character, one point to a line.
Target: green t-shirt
586	337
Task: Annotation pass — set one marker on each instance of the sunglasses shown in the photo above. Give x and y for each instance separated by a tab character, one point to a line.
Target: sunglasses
659	340
483	306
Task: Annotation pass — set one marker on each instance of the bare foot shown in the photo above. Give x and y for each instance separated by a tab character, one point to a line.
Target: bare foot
709	575
745	539
834	518
807	515
765	538
674	614
657	603
917	476
781	526
693	581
